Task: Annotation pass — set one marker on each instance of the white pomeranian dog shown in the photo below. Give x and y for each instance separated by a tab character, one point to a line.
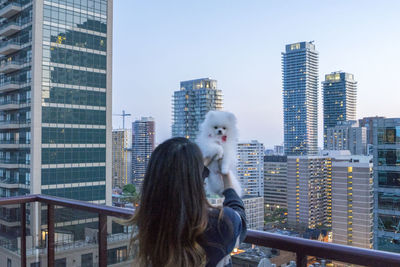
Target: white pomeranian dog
217	140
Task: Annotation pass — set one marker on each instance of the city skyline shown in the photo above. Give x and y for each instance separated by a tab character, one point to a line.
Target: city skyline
239	44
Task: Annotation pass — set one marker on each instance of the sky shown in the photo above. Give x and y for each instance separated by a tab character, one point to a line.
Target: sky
157	44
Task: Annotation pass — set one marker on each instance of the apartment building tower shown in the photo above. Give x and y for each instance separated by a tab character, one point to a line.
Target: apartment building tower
190	105
347	135
55	100
143	144
300	98
250	167
275	182
307	191
121	157
339	99
386	138
352	201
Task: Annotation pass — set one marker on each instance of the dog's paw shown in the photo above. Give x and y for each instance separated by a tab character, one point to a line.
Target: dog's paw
220	152
224	169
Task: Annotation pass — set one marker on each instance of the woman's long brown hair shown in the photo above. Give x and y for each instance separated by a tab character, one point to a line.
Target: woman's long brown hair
173	210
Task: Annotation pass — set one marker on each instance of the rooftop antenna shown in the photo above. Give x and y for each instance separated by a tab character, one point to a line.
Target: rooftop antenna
123	115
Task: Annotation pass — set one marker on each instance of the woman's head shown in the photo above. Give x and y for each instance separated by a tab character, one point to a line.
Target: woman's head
172	214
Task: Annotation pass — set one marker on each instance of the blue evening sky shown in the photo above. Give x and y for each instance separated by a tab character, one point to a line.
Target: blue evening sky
157	44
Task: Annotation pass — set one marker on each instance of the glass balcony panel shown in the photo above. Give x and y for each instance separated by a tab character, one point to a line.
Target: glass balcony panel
9	47
118	242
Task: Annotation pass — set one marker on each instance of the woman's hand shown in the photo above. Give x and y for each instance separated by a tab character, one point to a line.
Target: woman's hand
226	178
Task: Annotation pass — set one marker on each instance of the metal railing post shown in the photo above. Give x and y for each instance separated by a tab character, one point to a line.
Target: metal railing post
301	259
102	240
23	235
50	235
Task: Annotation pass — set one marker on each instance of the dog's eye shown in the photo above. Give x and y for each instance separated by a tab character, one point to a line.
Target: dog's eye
224	128
215	127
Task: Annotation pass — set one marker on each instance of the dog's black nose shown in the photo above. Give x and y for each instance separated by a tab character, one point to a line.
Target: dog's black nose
219	132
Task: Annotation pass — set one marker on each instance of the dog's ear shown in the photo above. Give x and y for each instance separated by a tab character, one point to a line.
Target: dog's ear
210	115
231	118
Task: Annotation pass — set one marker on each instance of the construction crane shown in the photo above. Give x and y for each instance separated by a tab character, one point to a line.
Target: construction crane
123	115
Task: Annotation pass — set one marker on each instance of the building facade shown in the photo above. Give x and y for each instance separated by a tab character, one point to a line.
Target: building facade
143	144
254	208
300	99
279	150
368	123
190	105
121	157
250	167
386	138
339	98
275	182
347	135
352	201
55	100
307	191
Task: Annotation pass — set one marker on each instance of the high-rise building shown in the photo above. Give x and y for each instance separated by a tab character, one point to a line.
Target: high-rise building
143	144
347	135
121	158
190	105
368	123
250	167
55	100
307	191
340	99
254	207
352	201
300	99
278	150
386	138
275	182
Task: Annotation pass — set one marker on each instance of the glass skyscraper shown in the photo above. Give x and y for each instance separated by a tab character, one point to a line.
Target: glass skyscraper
386	138
143	144
55	99
340	99
191	104
300	98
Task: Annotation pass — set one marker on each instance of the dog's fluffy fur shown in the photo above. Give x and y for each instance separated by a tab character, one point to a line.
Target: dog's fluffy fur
217	140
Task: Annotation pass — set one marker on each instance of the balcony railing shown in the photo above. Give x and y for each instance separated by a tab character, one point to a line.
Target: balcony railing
8	66
15	142
302	247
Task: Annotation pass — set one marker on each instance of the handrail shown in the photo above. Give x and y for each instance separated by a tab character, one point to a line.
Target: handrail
348	254
302	247
86	206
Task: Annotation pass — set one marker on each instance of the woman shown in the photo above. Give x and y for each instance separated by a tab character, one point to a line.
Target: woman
176	224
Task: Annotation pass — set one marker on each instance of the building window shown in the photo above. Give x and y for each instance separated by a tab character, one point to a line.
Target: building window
87	260
61	262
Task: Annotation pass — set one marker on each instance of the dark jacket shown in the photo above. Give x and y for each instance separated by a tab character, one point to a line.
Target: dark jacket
225	230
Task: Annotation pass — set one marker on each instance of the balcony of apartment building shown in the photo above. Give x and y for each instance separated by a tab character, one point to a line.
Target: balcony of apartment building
10	46
14	25
14	124
9	8
106	241
15	162
8	84
11	64
14	143
13	104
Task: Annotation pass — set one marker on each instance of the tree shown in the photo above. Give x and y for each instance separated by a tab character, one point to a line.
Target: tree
129	193
129	189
